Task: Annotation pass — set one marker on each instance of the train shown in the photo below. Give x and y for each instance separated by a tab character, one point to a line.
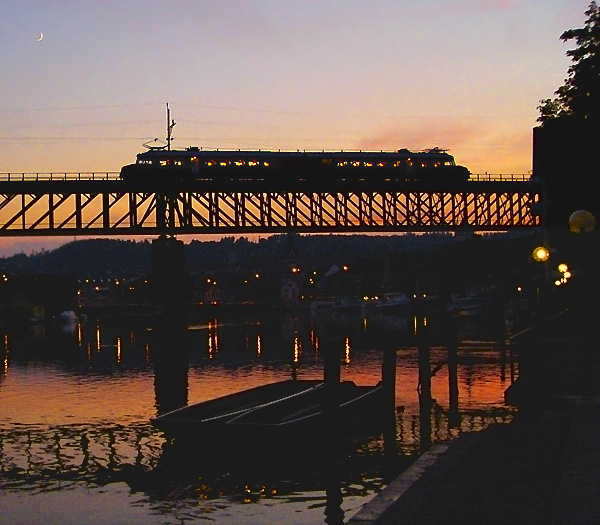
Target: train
290	169
231	166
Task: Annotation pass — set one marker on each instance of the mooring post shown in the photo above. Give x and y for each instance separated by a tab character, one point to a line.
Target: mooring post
424	383
331	373
388	380
454	415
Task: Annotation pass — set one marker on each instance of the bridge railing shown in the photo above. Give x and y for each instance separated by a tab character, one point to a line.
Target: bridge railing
503	177
20	177
113	175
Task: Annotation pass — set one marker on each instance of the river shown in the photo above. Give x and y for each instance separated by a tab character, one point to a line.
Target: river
77	445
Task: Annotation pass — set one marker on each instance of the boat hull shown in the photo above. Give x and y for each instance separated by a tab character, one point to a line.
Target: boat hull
283	410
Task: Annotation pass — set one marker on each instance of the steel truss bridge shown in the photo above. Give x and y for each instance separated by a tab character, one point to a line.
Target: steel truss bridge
102	204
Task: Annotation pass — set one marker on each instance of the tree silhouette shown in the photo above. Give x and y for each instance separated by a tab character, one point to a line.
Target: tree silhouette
579	97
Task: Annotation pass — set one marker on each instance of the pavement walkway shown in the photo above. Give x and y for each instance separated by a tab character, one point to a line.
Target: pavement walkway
542	468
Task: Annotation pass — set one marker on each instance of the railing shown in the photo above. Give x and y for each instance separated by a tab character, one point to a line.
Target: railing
21	177
114	175
499	177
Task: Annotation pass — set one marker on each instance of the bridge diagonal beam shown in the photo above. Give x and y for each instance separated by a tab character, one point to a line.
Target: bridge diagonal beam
107	208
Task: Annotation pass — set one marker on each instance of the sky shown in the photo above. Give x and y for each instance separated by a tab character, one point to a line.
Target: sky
463	75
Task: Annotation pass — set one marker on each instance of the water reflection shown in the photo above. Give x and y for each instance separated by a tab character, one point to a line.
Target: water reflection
76	407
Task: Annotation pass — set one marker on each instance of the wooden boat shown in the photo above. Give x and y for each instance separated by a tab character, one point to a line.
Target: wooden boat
343	402
216	412
276	408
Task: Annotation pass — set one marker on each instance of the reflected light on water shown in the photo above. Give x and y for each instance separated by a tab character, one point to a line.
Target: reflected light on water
314	340
213	338
6	352
67	418
297	348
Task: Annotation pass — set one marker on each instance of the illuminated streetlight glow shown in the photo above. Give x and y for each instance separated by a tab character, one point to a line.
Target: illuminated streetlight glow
562	268
541	254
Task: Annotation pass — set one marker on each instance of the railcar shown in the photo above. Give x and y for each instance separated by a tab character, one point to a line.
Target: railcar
230	166
286	169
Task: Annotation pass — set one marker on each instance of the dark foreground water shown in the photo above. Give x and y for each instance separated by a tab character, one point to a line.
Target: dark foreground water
77	446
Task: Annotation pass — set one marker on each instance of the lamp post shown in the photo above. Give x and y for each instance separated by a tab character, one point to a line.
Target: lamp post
540	254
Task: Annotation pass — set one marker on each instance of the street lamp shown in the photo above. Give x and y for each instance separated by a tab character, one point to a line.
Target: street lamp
582	221
541	254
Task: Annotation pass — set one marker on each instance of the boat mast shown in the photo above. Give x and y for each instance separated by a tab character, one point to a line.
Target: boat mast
170	126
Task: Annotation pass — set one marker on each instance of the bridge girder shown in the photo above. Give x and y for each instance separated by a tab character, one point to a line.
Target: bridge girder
112	209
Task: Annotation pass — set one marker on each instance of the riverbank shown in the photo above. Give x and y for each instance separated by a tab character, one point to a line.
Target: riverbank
544	467
540	469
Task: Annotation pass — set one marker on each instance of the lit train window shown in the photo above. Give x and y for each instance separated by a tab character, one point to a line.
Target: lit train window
356	164
252	163
177	163
342	163
239	162
327	162
368	164
266	164
381	164
164	163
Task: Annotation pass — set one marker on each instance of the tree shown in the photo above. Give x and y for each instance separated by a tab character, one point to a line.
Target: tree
579	97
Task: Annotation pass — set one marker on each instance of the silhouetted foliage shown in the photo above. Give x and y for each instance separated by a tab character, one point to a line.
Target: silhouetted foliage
579	97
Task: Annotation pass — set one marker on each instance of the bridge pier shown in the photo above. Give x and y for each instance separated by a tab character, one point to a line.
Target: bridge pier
170	294
169	278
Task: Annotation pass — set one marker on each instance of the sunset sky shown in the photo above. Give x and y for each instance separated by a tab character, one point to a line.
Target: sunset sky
466	75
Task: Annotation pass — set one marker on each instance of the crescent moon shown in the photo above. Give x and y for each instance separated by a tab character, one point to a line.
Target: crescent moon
41	36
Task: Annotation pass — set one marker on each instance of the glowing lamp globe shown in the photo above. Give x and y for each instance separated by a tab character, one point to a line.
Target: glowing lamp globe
581	221
541	254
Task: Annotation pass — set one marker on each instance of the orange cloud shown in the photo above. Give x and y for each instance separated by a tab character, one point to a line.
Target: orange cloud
429	133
